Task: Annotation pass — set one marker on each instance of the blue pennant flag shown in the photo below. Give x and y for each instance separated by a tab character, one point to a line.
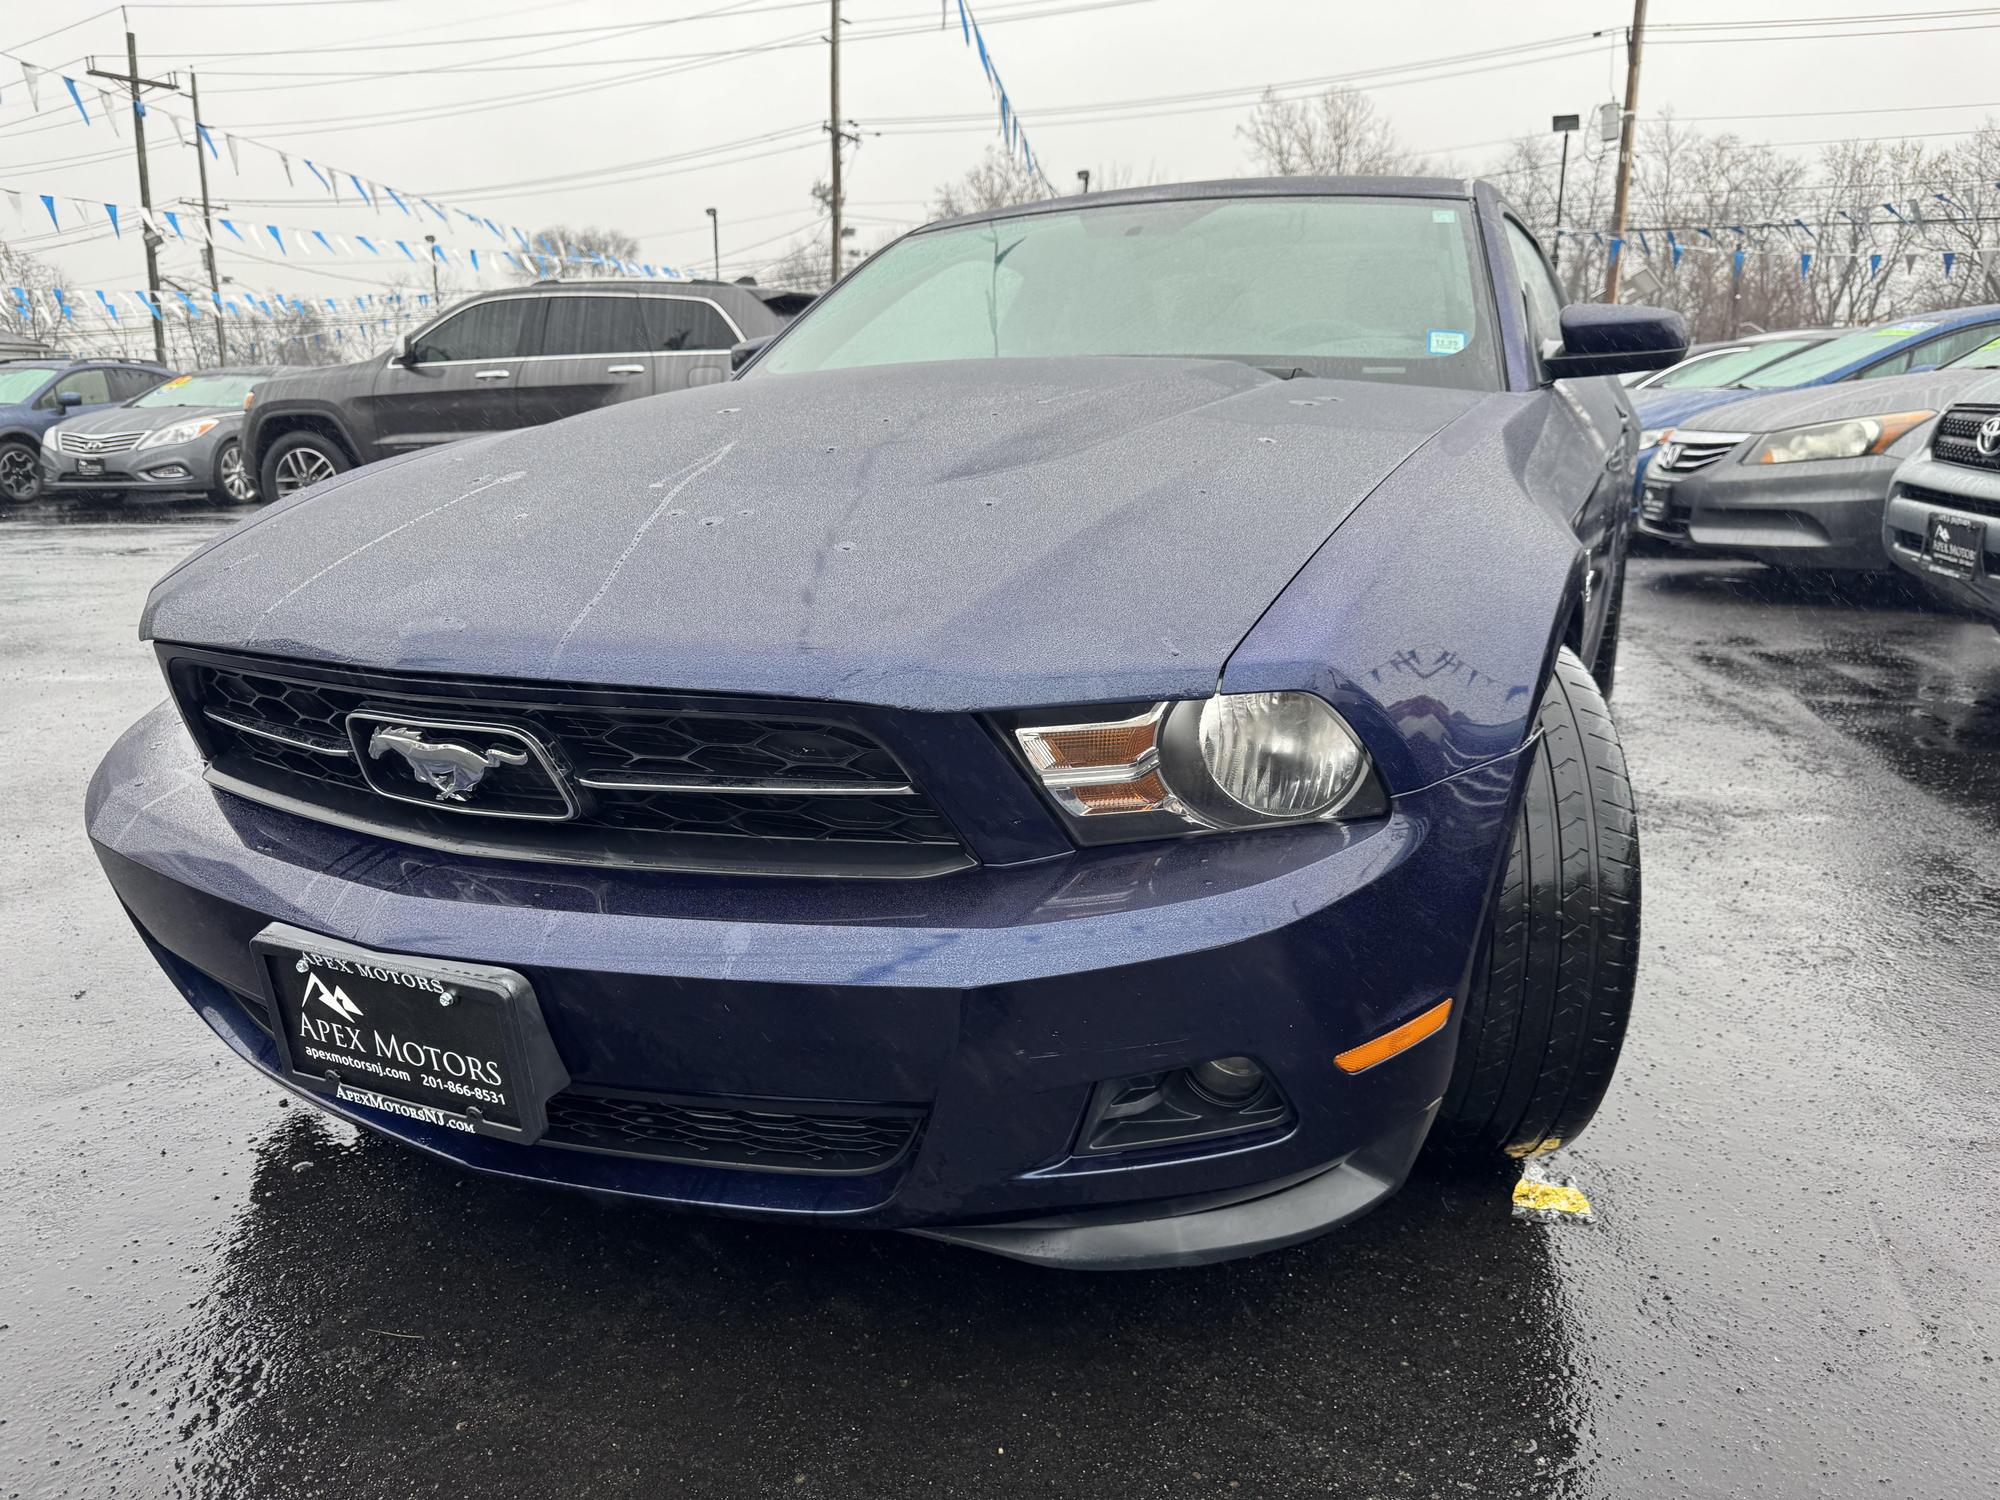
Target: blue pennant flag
278	239
1950	258
398	197
49	202
965	26
1874	265
76	98
361	190
194	308
111	212
146	301
230	227
366	244
1805	263
320	235
319	174
108	306
1616	244
1736	262
63	302
173	221
208	141
405	249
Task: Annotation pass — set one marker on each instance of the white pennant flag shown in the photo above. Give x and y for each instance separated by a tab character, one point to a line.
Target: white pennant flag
179	134
110	112
342	244
32	77
287	161
234	162
304	244
15	199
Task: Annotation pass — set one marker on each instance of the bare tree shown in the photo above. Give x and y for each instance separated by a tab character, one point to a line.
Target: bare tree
585	241
997	180
1339	133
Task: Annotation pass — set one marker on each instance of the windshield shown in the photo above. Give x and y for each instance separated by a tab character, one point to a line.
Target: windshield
21	382
1985	357
1823	359
1369	289
223	388
1726	369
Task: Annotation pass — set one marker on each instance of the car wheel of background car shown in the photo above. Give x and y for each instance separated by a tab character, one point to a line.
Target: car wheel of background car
1552	986
299	459
1604	665
233	484
20	473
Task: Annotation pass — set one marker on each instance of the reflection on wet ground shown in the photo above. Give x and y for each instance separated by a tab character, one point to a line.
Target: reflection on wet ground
208	1290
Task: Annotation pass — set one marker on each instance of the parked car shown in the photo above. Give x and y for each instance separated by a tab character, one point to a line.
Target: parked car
502	360
35	394
1798	479
1903	346
1942	522
1062	756
1715	366
182	436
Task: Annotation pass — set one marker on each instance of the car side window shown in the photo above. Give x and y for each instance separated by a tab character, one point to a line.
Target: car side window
125	384
91	385
676	325
1942	351
578	326
1538	286
492	330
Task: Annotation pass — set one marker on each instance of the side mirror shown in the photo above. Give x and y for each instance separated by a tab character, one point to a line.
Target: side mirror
741	354
405	352
69	398
1604	339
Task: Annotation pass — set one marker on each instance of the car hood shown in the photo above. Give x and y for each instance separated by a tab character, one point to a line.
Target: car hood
1930	390
979	534
143	418
1670	408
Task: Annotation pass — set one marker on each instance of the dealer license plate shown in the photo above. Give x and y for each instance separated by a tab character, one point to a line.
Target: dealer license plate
90	468
456	1045
1653	503
1952	547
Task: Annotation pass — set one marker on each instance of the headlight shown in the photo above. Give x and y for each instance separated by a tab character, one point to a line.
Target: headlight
1239	760
180	432
1652	437
1851	437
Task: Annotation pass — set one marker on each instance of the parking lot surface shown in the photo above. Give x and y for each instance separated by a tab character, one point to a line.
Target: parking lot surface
1788	1287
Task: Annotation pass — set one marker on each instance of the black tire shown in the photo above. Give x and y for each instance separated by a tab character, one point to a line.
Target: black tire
1552	987
20	473
1604	665
232	482
297	459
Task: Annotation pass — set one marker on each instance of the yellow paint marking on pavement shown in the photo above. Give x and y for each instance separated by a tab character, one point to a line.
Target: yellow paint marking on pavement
1550	1197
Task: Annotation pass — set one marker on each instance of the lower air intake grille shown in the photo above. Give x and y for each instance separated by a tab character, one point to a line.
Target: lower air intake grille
732	1134
1971	505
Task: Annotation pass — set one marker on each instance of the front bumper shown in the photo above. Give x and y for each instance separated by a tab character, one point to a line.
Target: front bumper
994	1000
1924	488
174	469
1823	514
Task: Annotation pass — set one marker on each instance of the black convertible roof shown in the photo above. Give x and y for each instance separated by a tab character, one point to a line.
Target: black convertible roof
1237	187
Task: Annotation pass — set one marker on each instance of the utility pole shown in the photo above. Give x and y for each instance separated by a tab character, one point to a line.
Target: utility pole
715	237
207	226
431	240
833	128
1083	177
1635	43
130	77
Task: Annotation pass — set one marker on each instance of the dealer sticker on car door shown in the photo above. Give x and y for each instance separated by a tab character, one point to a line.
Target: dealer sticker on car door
454	1045
1952	547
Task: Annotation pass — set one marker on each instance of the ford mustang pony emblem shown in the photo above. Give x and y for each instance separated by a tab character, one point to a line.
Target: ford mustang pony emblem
448	768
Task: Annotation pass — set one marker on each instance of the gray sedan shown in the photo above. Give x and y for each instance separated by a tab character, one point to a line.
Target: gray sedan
1798	478
181	437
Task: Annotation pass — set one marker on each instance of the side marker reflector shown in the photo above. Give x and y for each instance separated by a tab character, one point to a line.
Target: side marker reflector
1389	1043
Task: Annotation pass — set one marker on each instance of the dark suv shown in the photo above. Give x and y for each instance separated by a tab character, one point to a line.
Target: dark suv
506	359
35	394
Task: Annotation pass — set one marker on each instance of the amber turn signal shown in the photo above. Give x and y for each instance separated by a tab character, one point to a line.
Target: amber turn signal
1402	1039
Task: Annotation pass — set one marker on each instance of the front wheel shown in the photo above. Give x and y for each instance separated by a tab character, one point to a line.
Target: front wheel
1552	989
233	482
299	460
20	473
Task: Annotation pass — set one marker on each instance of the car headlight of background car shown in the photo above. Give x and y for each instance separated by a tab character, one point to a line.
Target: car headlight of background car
1234	761
1652	437
1850	437
181	432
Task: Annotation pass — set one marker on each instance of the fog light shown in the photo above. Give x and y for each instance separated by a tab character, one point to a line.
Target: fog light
1227	1080
168	471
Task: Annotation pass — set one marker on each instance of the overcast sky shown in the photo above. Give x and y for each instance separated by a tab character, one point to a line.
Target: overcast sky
504	107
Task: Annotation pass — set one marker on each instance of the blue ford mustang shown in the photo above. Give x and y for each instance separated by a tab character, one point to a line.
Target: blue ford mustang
1093	747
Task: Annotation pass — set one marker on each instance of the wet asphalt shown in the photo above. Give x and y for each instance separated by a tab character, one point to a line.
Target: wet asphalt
1790	1286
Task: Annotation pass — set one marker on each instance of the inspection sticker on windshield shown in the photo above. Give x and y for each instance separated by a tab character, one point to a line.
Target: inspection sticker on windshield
1444	216
1446	341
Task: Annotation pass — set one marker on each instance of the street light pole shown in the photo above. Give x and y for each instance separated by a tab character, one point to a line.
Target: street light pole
1083	176
1565	124
715	239
431	240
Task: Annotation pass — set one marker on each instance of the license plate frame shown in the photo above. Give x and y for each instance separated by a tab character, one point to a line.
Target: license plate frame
1656	503
1954	547
481	1063
90	468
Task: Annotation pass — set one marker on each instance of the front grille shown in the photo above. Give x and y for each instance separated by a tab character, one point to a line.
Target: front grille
98	442
1684	453
831	1139
627	778
1956	439
1971	505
